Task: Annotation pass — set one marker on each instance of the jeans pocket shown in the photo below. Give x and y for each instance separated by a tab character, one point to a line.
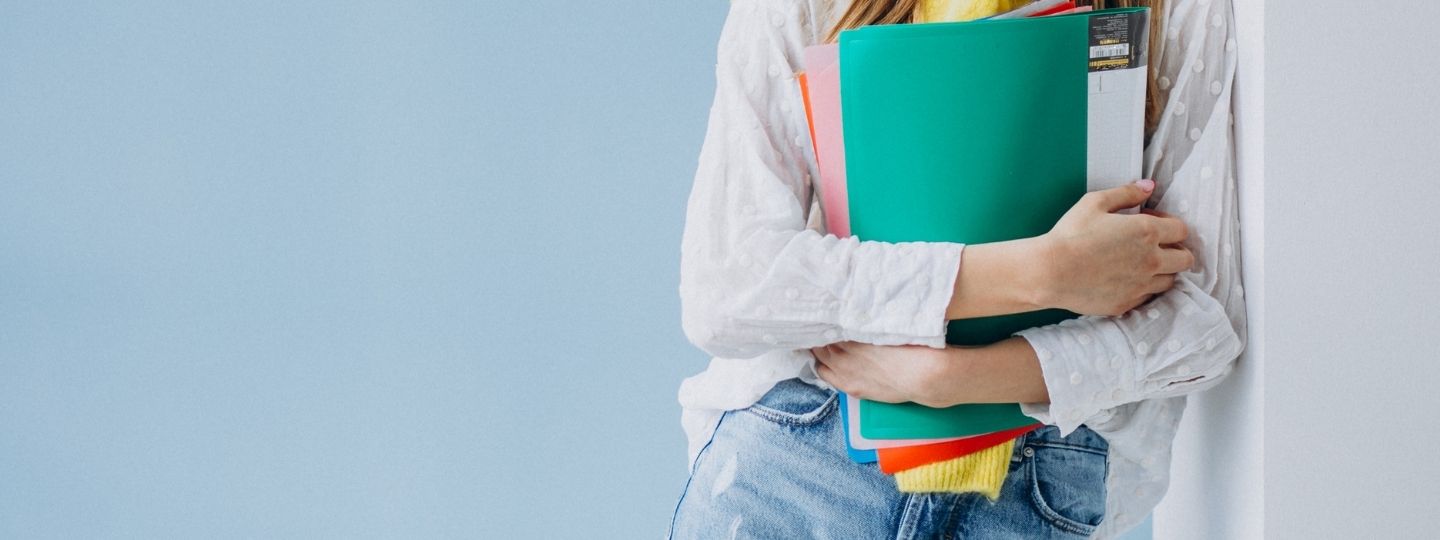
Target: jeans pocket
1068	484
793	402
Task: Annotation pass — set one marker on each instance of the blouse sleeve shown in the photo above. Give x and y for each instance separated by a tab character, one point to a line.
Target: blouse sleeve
1187	338
753	276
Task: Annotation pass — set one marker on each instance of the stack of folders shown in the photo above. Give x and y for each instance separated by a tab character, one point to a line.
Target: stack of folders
970	132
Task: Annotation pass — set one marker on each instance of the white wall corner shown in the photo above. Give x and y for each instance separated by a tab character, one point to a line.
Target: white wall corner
1217	483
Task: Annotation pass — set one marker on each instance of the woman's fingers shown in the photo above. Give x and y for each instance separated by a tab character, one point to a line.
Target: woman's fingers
1170	230
1122	197
1174	261
825	372
1160	284
1155	212
827	356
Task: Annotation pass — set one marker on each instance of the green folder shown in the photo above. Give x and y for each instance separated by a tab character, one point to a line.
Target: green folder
985	131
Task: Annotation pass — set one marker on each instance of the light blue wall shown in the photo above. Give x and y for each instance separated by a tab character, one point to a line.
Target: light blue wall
345	269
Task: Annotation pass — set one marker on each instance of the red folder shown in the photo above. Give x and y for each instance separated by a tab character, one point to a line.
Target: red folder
893	460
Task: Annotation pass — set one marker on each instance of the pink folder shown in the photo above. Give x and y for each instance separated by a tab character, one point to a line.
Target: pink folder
822	74
821	84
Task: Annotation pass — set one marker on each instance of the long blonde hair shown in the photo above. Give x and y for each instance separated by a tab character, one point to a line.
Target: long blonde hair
868	12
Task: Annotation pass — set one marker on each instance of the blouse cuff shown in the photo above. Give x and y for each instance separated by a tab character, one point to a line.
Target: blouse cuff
900	295
1077	392
1091	364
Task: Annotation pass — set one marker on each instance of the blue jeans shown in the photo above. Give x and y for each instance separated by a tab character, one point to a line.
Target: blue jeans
778	469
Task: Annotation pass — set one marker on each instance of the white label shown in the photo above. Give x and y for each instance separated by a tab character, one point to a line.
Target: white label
1102	51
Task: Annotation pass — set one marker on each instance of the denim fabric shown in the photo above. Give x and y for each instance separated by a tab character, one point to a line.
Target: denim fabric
778	469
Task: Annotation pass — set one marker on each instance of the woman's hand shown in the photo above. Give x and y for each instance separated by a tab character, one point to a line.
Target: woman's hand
889	373
1098	262
1093	261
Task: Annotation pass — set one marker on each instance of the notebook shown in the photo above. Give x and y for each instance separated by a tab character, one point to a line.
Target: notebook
977	132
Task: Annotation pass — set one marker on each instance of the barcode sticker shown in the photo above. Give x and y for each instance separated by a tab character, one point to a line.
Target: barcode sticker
1117	39
1102	51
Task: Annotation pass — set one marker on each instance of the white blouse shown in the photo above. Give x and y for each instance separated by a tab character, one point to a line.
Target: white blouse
761	282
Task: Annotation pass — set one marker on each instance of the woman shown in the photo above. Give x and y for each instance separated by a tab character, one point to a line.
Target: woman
791	314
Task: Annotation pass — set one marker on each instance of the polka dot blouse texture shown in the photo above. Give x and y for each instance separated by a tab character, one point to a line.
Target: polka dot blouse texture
761	281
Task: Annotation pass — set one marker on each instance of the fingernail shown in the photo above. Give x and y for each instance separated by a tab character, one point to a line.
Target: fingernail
1147	184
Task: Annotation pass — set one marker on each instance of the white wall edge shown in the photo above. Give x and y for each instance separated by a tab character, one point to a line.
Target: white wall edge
1218	483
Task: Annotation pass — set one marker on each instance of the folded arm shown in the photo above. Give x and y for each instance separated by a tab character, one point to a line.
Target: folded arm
1186	339
754	277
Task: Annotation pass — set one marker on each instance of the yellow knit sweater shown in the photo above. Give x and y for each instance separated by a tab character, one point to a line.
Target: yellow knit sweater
961	10
982	471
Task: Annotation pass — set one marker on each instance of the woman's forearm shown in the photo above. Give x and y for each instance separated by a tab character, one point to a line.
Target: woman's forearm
1005	372
999	278
1094	261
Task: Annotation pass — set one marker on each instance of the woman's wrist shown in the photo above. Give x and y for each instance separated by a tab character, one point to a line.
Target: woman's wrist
1001	278
1041	274
1004	372
952	383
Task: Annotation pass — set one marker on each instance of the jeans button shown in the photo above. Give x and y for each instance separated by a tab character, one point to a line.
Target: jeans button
1029	452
